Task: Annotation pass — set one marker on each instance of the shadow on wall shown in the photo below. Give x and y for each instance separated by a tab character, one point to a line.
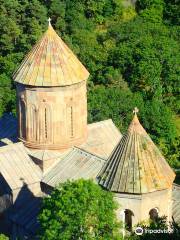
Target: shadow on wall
24	214
5	204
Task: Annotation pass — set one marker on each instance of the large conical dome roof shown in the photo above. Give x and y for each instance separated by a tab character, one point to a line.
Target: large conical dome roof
136	164
50	63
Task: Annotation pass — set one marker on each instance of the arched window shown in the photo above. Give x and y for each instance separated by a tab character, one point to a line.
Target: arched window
128	219
153	214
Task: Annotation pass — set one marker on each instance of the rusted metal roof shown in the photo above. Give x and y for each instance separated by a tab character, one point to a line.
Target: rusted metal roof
75	165
16	166
50	63
103	136
136	165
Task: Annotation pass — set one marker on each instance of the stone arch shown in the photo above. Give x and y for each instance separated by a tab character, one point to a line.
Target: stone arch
153	214
128	219
45	123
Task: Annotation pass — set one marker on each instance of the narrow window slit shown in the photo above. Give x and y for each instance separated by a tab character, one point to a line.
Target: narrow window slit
72	130
45	116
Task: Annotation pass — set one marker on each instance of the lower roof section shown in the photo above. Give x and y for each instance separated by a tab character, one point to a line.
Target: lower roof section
16	166
75	165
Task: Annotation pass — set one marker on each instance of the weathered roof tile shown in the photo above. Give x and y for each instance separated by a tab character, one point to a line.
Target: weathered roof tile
16	166
136	164
103	136
50	63
75	165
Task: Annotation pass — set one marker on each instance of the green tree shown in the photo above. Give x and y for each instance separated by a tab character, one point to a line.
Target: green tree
3	237
147	57
21	24
79	210
133	49
150	10
116	102
172	12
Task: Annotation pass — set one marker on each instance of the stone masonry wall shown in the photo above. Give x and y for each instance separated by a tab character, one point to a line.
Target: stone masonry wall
141	205
52	117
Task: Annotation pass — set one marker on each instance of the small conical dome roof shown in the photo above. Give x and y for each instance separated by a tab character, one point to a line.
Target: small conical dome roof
50	63
136	165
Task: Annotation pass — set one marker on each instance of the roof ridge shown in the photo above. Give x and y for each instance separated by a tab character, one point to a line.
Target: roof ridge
89	153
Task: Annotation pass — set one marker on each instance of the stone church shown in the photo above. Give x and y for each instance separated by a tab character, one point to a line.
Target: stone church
50	142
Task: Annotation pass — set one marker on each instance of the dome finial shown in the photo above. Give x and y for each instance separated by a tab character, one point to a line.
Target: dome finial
135	111
49	21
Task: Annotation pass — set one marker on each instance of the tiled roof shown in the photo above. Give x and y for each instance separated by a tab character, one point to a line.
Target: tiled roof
103	136
50	63
136	164
16	166
75	165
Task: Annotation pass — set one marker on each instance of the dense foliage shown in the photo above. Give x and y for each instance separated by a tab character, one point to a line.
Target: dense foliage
82	210
3	237
132	53
79	210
